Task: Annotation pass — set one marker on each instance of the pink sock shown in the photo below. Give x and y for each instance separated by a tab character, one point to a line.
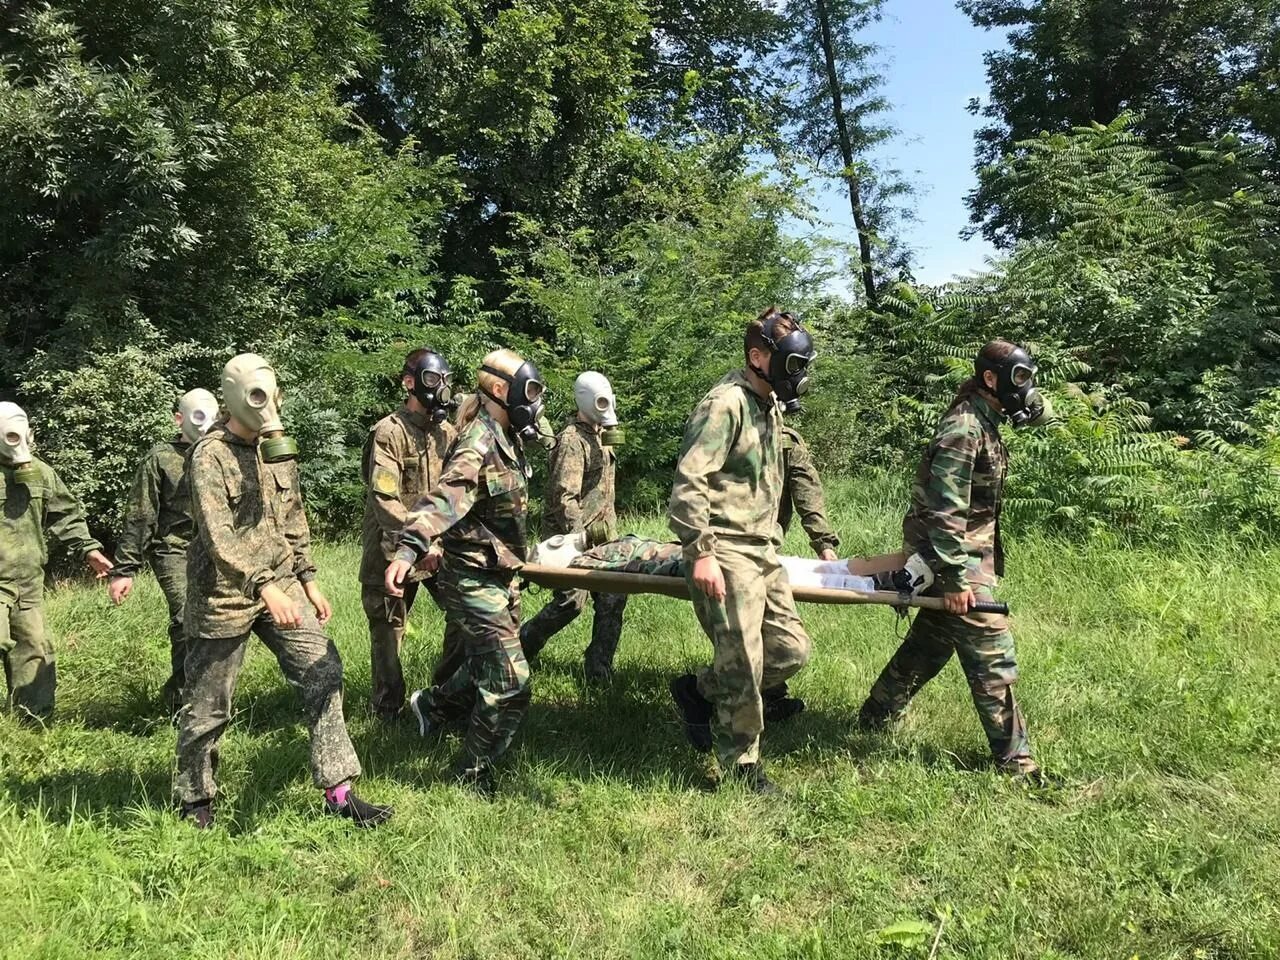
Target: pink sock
338	795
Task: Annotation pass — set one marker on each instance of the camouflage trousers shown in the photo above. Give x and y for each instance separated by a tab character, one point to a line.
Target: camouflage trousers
984	646
30	667
758	642
171	575
483	608
562	610
388	616
310	663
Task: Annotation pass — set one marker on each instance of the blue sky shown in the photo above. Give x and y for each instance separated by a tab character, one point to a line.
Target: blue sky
933	64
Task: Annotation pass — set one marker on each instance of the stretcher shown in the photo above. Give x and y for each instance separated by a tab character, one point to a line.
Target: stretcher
842	582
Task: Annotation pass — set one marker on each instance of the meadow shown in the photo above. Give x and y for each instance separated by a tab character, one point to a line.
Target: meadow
1150	680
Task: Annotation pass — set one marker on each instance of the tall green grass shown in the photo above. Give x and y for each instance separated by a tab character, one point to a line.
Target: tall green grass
1150	682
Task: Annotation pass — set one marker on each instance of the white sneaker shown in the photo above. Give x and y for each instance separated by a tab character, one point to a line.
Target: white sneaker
417	705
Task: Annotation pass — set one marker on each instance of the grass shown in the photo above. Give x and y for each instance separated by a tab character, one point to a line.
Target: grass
1150	681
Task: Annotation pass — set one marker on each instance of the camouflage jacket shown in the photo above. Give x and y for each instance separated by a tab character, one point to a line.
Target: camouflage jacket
633	554
728	480
478	509
403	459
157	520
251	530
580	482
802	494
29	514
954	520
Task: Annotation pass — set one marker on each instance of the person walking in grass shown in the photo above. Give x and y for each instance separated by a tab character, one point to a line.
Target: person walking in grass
34	505
954	524
580	499
724	511
477	515
249	570
158	528
403	458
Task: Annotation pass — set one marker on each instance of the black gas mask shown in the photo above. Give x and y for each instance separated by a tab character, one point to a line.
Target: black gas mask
524	399
1016	387
432	385
789	360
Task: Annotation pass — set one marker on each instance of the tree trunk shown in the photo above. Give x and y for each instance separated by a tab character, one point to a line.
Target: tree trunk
846	155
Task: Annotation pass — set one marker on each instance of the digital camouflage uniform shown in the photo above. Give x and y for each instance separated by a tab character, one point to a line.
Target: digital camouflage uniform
157	530
403	458
802	494
31	513
477	512
724	503
632	554
251	531
954	523
580	496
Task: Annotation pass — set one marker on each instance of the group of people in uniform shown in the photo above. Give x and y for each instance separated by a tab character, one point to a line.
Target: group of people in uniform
217	513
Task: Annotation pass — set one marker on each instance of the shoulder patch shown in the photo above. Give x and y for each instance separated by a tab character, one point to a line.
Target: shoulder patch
385	482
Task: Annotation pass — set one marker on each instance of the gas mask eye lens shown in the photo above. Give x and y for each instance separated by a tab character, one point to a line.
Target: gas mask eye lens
796	362
430	379
533	391
602	404
1022	376
12	439
257	397
197	417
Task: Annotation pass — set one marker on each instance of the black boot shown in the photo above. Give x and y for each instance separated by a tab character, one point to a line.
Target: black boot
753	778
778	707
198	814
359	812
872	719
695	710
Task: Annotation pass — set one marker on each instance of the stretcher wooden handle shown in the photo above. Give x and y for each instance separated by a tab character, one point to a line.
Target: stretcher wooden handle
610	581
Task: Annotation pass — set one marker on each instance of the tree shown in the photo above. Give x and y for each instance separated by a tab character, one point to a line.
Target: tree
1190	71
834	114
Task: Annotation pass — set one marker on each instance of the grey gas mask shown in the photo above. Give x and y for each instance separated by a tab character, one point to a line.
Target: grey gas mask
198	409
252	396
598	406
15	444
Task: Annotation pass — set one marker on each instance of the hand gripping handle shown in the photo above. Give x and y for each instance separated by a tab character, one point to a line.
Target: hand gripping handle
989	606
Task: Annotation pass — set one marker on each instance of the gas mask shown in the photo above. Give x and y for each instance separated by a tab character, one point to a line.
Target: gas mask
252	396
1023	404
597	406
525	392
433	385
198	409
910	580
15	444
789	360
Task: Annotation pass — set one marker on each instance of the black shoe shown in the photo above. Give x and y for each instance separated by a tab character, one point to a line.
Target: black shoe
753	777
695	710
199	815
778	707
359	812
477	778
598	673
871	719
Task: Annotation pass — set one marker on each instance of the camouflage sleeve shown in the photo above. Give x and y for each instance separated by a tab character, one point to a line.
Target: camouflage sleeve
383	480
806	494
141	513
707	440
564	484
236	562
447	503
65	520
298	533
949	491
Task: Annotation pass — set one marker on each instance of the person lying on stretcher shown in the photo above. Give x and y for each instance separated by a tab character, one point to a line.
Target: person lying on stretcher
632	554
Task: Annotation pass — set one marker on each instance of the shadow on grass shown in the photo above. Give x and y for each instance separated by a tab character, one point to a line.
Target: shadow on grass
113	796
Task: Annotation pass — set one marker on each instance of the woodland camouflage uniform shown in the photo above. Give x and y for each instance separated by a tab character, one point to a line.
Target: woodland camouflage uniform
477	512
802	494
580	496
251	531
157	529
954	523
403	459
724	503
29	513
